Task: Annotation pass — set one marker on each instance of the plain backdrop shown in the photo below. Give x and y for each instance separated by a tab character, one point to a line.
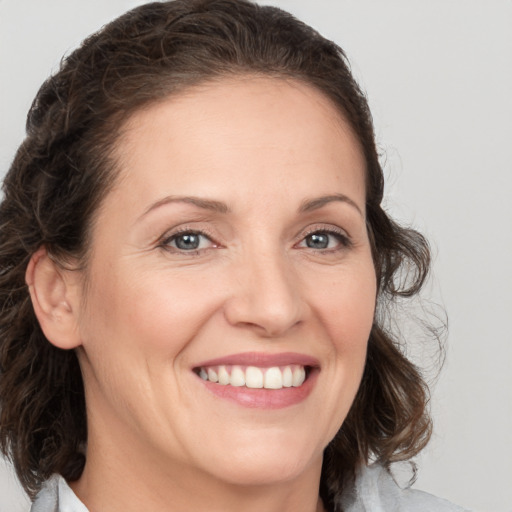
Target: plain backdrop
438	75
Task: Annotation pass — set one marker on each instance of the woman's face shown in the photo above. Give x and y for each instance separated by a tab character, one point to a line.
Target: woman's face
233	248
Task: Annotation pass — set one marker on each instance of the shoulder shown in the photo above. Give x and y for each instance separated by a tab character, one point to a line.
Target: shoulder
56	496
375	490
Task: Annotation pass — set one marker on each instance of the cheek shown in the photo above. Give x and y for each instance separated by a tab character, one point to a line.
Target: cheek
162	312
347	308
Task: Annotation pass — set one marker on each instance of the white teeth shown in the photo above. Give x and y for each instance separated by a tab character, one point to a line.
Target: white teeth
287	377
223	375
273	378
299	376
253	377
237	376
212	375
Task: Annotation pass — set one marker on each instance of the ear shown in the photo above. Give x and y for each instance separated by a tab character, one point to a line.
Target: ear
53	291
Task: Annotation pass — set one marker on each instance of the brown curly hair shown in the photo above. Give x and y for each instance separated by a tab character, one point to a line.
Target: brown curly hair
64	169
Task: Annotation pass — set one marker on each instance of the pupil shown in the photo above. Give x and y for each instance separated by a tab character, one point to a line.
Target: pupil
190	241
318	241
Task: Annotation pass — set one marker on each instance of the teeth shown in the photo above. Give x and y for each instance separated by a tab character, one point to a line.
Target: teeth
237	376
287	377
254	377
273	379
223	375
299	376
212	375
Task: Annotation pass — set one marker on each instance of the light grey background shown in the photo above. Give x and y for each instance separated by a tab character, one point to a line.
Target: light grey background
438	75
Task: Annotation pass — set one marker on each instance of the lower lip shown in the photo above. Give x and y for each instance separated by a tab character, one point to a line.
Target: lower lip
262	398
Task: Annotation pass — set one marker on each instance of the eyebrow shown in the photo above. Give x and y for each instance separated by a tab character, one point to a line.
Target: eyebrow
206	204
316	203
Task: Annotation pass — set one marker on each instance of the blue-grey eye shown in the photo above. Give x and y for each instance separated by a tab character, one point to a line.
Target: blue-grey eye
324	240
318	240
187	241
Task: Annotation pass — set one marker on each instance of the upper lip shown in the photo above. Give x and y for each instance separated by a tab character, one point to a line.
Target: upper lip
262	360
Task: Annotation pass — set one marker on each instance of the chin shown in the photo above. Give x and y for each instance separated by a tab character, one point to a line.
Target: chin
262	463
264	472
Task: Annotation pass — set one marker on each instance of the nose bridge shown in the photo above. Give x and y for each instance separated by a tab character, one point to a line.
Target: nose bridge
267	295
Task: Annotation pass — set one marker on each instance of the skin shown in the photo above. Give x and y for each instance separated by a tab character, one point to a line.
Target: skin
158	439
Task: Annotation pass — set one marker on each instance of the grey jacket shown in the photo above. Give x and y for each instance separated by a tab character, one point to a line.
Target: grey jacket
374	491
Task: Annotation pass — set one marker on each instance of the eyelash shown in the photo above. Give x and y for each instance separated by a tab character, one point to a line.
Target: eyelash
343	239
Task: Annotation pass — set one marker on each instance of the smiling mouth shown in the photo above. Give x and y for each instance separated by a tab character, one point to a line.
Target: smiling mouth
254	377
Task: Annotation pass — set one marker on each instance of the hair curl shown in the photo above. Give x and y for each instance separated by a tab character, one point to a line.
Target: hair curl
65	168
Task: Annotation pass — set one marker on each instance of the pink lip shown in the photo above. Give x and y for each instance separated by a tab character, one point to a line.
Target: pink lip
264	398
262	360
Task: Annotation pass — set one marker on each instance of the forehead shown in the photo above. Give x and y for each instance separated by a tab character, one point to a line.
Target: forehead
258	131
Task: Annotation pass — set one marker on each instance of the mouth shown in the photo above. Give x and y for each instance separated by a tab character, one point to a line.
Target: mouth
260	380
254	377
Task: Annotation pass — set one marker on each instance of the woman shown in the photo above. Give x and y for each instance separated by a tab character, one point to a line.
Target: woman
195	265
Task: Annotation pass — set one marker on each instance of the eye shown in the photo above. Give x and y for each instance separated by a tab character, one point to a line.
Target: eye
188	241
322	240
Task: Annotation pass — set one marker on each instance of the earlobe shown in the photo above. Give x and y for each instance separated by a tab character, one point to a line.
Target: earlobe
53	299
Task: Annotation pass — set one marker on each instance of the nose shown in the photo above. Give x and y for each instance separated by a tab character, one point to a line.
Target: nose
265	296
